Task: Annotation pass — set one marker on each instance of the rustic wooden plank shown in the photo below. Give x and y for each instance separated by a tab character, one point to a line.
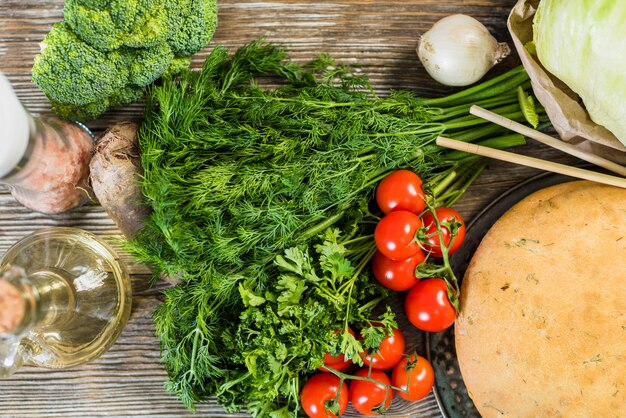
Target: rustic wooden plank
379	35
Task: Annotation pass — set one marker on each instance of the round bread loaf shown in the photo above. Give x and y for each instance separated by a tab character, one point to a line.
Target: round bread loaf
542	327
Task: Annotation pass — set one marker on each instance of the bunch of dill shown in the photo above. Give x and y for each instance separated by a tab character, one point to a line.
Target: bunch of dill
240	177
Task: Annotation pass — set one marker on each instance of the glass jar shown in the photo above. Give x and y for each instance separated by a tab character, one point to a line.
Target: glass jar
65	297
43	161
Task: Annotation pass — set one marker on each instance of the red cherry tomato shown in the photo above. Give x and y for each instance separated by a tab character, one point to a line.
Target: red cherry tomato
389	353
340	365
427	306
395	235
401	190
319	394
432	244
337	362
414	376
371	398
396	274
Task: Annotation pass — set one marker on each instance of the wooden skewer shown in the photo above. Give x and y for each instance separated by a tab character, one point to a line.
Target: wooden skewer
531	162
547	140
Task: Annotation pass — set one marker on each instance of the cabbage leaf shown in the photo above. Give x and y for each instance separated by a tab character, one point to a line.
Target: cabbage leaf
583	43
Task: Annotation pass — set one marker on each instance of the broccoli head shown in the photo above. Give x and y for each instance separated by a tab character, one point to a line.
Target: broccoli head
106	52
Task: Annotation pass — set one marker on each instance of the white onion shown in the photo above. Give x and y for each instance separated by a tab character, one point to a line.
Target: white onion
459	50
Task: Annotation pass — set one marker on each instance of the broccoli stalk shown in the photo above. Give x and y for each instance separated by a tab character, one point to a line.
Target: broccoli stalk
106	52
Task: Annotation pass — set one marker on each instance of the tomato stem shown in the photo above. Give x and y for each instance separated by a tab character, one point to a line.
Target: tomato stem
368	378
449	277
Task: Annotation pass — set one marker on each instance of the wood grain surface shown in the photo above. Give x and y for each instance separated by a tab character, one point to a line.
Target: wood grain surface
379	35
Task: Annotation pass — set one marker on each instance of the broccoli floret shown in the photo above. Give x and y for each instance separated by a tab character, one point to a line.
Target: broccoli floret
177	65
70	71
93	26
106	52
148	64
134	23
149	26
93	80
197	21
126	95
89	111
84	112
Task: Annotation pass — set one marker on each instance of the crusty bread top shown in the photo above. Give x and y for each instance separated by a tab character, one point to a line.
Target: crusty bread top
542	328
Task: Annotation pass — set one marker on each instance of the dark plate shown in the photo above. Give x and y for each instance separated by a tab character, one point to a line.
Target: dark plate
449	390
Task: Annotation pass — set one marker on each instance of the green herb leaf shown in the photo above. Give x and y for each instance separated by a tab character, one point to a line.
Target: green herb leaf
527	105
249	298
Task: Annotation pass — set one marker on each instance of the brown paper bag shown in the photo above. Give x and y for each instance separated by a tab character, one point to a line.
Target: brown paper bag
563	106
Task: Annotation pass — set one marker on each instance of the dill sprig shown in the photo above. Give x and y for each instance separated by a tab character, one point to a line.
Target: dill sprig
239	175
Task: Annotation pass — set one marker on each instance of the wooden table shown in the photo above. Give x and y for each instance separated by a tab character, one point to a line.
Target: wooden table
380	35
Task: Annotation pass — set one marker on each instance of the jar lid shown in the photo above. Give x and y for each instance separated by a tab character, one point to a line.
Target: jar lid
14	128
12	307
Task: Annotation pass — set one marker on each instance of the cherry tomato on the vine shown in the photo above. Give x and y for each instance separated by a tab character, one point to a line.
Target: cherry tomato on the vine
337	362
428	307
319	396
338	365
371	397
396	274
395	235
401	190
415	377
444	215
389	353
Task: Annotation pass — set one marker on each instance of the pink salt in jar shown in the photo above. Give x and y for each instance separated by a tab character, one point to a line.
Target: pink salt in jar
53	175
43	161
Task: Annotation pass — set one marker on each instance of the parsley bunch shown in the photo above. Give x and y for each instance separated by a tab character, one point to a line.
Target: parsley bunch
261	205
285	331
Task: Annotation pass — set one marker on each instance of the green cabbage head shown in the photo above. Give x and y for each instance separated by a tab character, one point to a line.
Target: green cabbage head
583	43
